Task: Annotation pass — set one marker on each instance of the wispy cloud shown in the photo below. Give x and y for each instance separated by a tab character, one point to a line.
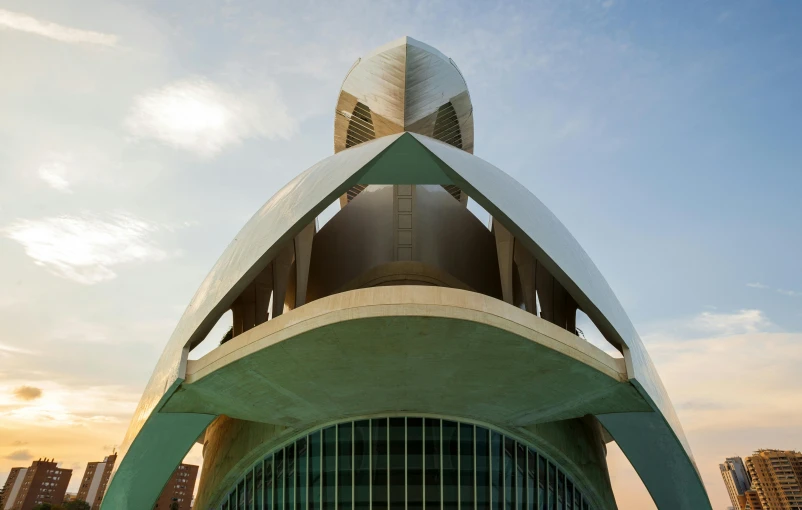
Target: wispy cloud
22	455
784	292
27	393
724	324
200	116
8	349
85	248
25	23
757	285
54	174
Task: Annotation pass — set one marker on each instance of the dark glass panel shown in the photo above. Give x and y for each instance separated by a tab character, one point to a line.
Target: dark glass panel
329	467
482	469
414	463
520	476
249	491
232	499
314	471
289	477
569	494
241	495
497	472
560	490
380	458
269	482
509	474
531	481
259	486
552	475
466	466
344	467
225	505
542	475
450	466
362	465
301	484
278	493
432	462
397	464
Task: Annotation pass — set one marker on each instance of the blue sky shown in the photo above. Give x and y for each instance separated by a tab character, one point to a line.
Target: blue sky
665	135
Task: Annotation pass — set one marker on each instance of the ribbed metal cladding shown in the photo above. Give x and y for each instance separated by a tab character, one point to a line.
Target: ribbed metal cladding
406	463
446	126
360	126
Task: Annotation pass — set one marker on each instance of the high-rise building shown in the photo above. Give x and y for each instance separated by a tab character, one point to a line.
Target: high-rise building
405	354
737	481
96	478
177	494
776	478
11	488
42	482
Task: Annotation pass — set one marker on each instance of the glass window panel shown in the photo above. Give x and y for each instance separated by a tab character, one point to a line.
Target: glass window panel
482	468
497	472
531	484
289	477
450	466
466	466
329	467
542	474
249	491
344	467
414	463
232	499
241	495
577	499
259	487
560	490
569	495
380	458
397	464
269	483
301	451
585	505
432	463
552	479
225	505
509	474
520	475
278	493
314	471
362	465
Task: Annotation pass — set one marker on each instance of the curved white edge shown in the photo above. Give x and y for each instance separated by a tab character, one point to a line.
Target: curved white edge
297	204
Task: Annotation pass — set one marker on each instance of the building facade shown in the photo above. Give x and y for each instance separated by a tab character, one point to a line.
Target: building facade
96	478
42	482
776	478
405	354
737	481
177	494
11	488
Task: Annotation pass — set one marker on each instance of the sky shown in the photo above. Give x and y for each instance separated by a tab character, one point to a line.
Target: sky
136	138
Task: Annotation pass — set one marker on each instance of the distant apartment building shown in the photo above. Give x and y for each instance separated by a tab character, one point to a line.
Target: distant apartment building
42	482
96	478
179	489
776	479
737	481
11	488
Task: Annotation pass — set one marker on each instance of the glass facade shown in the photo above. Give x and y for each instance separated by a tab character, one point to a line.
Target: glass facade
406	464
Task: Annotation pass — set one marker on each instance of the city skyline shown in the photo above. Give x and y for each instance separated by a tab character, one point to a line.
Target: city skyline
99	228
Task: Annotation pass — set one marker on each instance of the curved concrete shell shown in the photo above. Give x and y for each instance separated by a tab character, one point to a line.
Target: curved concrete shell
428	312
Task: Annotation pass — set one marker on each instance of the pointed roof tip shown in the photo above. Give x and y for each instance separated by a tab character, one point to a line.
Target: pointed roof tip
407	41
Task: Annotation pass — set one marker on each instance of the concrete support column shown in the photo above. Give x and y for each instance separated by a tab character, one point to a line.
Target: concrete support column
303	256
281	273
505	243
527	270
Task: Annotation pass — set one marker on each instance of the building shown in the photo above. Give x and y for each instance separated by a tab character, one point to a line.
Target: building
776	478
404	353
96	478
11	488
737	481
179	489
42	482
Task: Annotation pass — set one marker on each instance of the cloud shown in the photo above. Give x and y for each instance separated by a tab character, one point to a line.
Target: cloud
8	349
24	23
723	324
85	248
27	393
54	174
20	455
757	285
202	117
791	293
